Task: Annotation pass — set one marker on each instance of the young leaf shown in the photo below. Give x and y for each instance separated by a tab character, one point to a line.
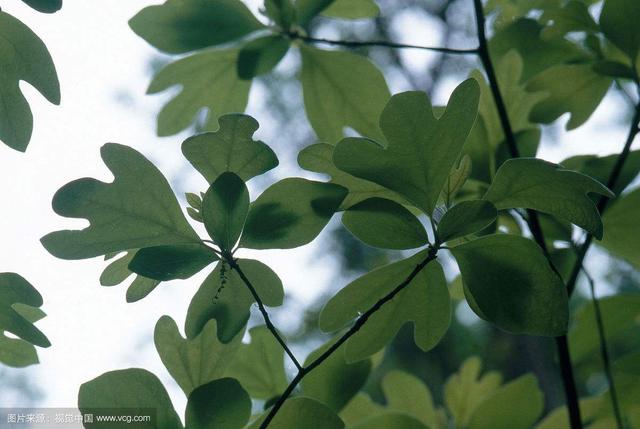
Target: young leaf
45	6
224	210
466	218
622	234
424	302
14	289
24	57
336	381
231	148
260	56
341	90
352	9
513	286
574	88
197	361
118	271
302	413
209	80
136	390
224	297
319	159
259	365
618	21
386	224
171	262
526	404
290	213
540	185
421	150
457	178
179	26
138	209
220	404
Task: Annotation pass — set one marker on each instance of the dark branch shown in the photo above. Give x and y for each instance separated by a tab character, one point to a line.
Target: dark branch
352	331
533	221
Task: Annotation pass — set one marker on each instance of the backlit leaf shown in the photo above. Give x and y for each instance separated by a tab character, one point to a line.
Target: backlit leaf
600	168
306	10
261	55
219	404
305	413
171	262
16	352
118	271
622	234
618	21
390	420
466	218
224	210
352	9
15	290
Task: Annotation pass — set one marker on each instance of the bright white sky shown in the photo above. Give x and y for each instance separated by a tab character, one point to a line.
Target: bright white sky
99	59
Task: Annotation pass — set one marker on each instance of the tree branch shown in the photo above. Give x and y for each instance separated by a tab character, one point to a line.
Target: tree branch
533	221
302	372
234	266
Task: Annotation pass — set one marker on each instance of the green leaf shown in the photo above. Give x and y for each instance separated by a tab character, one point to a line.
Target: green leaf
118	271
306	10
260	56
136	390
224	297
220	404
193	362
352	9
341	90
457	178
15	290
282	12
573	88
525	405
613	69
45	6
618	21
231	148
319	159
628	364
390	420
466	218
138	209
15	352
209	80
360	408
291	213
421	150
549	188
513	285
23	56
303	413
386	224
465	390
259	365
179	26
224	210
600	168
336	381
424	302
621	228
171	262
571	17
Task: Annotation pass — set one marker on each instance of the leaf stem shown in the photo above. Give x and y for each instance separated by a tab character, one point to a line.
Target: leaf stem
267	320
533	221
382	43
302	372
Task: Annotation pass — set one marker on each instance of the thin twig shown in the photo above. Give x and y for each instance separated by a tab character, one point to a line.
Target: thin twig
234	266
381	43
604	351
533	221
302	372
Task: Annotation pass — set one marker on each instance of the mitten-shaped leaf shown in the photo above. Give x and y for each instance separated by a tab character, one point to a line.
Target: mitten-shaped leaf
23	57
421	149
425	302
466	218
231	148
622	234
549	188
303	413
386	224
219	404
179	26
259	365
118	271
223	296
341	90
512	285
224	210
193	362
136	390
261	55
618	21
208	80
171	262
291	213
15	290
138	209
